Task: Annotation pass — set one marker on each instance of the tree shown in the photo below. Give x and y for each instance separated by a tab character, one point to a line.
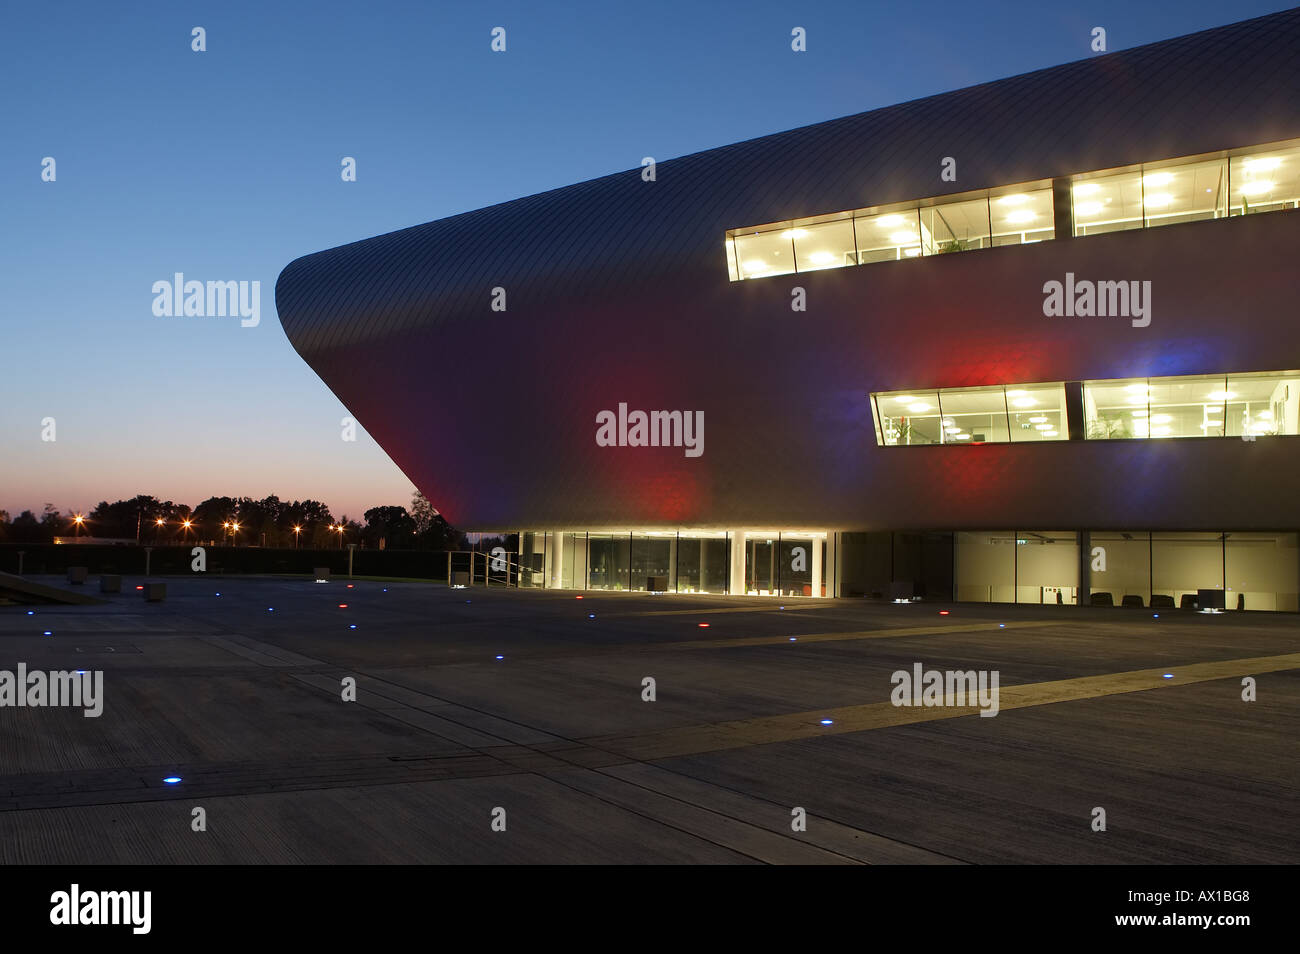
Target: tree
388	527
422	513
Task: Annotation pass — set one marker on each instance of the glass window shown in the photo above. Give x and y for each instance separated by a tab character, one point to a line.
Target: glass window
760	562
824	243
798	554
532	561
608	561
1182	191
702	562
974	415
1182	563
1267	180
910	417
1189	406
1262	570
985	567
887	236
1120	567
1047	567
1263	405
654	554
1021	217
766	252
732	272
1115	409
955	227
1109	201
1037	413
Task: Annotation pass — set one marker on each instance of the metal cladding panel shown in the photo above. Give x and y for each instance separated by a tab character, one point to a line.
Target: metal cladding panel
617	291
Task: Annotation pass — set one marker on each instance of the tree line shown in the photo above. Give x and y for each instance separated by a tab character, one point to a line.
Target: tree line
239	521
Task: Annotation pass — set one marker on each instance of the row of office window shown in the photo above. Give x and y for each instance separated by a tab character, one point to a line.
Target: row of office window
1262	404
1237	182
1256	571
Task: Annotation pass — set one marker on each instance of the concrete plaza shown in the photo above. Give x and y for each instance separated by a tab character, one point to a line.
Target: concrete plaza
239	695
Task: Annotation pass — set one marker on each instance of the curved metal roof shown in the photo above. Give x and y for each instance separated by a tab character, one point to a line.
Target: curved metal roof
1221	88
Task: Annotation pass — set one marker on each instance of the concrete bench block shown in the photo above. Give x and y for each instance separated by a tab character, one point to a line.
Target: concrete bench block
77	574
155	592
110	583
320	573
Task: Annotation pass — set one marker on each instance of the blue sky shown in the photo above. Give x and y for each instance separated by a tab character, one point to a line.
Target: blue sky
225	165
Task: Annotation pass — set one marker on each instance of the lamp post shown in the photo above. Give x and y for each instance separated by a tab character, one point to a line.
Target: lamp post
159	523
296	537
77	522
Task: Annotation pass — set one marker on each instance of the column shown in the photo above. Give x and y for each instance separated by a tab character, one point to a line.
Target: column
736	585
816	547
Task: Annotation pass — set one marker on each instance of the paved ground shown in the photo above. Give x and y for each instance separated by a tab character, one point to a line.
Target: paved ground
239	695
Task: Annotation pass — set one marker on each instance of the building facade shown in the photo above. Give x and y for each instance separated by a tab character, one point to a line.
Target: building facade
1034	341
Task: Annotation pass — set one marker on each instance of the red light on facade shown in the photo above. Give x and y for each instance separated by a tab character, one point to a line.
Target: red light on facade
343	606
703	625
943	612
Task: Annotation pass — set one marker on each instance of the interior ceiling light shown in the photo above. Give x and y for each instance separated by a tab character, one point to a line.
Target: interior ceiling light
961	437
1022	215
1051	433
905	398
1088	208
1133	388
1042	427
953	430
1018	392
1158	179
794	233
1161	418
1221	395
1018	198
1139	413
1087	188
755	265
1038	420
1262	163
1024	402
822	258
920	407
1256	188
947	422
1265	415
889	221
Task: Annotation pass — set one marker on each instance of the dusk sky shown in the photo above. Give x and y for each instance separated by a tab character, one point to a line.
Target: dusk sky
224	165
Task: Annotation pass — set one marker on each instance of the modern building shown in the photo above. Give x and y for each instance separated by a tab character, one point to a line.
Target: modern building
1037	341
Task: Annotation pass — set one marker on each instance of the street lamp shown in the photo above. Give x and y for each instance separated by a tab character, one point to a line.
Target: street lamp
77	523
185	528
160	523
339	528
296	538
234	529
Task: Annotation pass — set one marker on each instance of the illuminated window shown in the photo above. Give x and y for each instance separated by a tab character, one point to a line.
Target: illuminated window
1167	192
1266	180
1022	216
